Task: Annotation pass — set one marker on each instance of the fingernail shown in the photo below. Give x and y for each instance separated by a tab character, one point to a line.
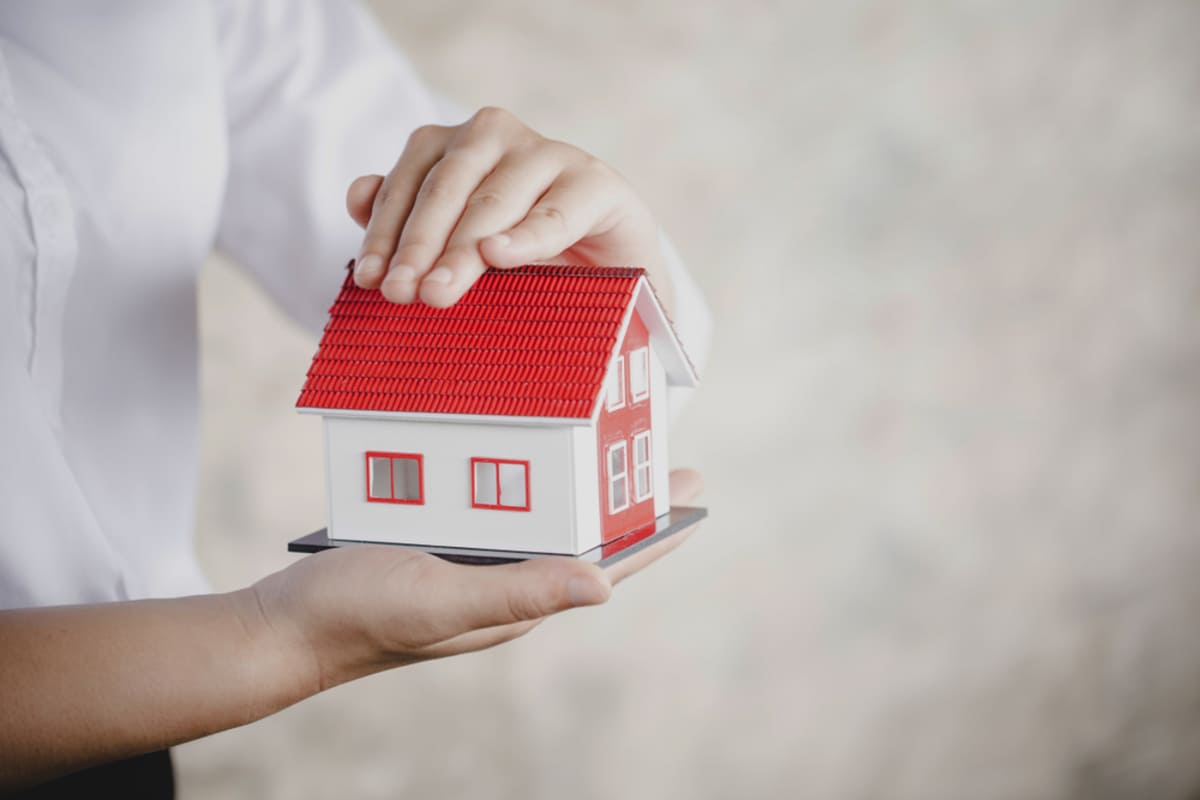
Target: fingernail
586	591
369	265
439	275
403	273
502	239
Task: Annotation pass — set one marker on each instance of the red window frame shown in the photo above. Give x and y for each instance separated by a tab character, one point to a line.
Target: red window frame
420	459
498	505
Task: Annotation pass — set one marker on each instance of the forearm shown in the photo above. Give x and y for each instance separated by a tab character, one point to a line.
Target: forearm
81	685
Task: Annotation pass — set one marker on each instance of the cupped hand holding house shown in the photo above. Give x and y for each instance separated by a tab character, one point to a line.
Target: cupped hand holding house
210	662
353	611
493	192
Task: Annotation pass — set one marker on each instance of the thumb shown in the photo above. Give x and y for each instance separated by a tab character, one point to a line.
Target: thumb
528	590
686	486
360	197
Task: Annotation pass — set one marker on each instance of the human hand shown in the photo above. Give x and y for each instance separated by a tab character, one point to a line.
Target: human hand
353	611
493	192
686	486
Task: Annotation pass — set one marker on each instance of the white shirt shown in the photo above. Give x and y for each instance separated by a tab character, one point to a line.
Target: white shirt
135	137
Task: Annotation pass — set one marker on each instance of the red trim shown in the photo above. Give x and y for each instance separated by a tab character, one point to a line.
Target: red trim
499	500
615	546
420	459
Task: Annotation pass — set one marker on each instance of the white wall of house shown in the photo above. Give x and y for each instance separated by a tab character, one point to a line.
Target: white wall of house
587	488
446	518
659	420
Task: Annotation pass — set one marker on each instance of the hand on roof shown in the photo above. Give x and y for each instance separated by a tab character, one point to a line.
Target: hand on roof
493	192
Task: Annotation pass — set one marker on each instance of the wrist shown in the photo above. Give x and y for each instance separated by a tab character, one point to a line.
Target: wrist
282	664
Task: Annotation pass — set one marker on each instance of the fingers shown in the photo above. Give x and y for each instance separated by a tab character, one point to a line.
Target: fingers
498	203
686	486
455	599
644	558
472	641
582	202
394	199
530	590
489	192
469	152
361	196
436	608
439	204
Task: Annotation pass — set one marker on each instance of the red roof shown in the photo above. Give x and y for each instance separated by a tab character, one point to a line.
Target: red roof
530	342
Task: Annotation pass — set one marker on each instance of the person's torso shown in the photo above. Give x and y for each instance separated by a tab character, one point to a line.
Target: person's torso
112	137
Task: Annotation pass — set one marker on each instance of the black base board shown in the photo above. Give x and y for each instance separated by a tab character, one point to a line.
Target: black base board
674	521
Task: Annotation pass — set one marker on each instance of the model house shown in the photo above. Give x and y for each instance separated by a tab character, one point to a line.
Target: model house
530	416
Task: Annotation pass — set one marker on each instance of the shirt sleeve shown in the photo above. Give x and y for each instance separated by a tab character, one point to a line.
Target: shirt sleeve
691	318
316	95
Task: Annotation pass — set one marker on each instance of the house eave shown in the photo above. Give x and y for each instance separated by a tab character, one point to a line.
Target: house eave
465	419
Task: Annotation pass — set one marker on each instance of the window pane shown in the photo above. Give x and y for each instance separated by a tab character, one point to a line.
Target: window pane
642	476
485	483
639	372
616	384
381	479
641	449
618	488
616	460
512	485
406	479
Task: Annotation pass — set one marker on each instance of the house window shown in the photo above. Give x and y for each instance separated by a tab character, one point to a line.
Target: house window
639	374
618	478
616	385
643	486
500	483
395	478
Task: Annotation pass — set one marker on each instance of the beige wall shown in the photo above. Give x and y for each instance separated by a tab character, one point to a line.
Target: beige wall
950	427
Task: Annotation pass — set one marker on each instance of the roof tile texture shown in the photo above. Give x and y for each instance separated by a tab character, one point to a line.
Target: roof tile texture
532	341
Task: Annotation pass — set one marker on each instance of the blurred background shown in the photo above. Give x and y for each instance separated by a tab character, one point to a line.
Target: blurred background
950	425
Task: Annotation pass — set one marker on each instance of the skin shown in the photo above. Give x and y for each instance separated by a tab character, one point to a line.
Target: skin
83	685
493	192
